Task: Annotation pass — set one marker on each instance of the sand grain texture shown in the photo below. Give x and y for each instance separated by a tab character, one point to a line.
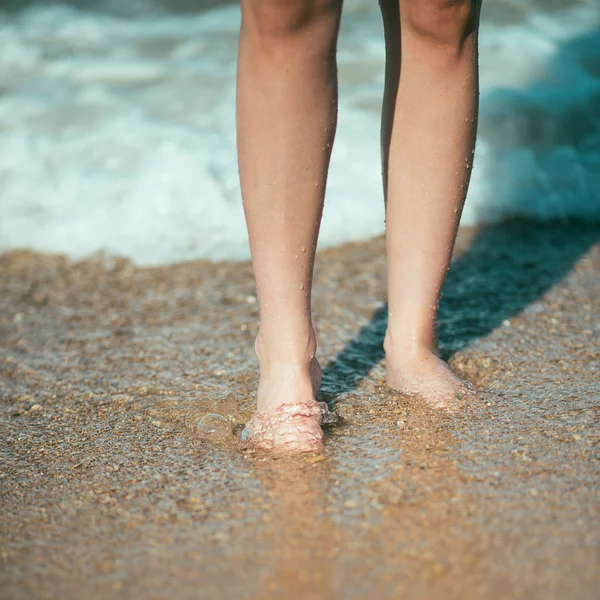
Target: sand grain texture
109	488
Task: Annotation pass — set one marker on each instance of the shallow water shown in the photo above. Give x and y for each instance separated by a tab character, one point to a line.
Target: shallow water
117	125
109	490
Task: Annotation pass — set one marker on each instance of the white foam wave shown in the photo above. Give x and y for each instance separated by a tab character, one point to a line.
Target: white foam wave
117	133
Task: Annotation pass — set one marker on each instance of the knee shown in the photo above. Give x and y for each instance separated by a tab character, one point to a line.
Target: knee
445	23
280	20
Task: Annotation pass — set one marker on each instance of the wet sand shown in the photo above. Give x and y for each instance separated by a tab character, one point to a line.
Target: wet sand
112	485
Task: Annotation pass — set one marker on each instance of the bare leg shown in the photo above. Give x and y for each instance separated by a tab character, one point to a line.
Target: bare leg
428	138
286	117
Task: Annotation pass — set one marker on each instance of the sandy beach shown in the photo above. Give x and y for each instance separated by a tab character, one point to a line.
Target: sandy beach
122	389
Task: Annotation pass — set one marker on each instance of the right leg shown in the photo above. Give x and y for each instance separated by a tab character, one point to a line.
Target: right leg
429	124
286	116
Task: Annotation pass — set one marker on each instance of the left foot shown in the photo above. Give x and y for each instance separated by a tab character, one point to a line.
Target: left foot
288	416
425	375
288	428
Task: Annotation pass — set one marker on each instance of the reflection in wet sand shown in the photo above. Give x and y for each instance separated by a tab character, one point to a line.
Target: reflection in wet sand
407	520
301	535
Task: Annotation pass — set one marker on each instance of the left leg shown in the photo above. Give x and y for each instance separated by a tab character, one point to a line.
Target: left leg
428	139
287	111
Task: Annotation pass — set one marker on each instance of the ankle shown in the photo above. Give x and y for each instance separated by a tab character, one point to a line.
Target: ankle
296	351
408	348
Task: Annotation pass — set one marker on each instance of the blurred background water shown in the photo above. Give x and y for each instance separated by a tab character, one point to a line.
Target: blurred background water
117	124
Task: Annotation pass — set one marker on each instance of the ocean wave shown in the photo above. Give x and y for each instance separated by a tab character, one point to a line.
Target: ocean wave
117	133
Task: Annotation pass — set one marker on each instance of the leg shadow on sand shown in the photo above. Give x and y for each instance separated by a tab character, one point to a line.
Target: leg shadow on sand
506	268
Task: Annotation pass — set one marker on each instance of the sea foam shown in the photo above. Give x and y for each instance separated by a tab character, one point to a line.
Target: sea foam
117	131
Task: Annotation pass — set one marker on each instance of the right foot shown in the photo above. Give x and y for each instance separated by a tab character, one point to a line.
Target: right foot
428	377
423	374
288	417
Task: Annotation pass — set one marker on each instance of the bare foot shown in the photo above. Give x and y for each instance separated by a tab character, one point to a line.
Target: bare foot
288	417
425	375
